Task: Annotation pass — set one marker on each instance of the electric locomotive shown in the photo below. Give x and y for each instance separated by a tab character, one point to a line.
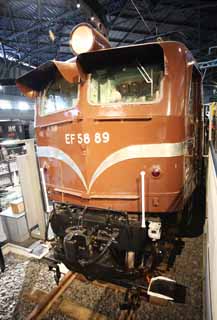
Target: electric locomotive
118	134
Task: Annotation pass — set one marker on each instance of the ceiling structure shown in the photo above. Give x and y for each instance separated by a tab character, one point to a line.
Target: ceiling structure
32	32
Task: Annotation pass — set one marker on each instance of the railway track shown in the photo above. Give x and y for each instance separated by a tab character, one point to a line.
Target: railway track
26	284
53	300
44	306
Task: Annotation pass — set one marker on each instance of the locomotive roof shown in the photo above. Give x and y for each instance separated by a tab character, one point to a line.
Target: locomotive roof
37	79
155	51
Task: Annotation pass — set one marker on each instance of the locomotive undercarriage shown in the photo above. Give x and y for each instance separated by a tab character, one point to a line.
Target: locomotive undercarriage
112	246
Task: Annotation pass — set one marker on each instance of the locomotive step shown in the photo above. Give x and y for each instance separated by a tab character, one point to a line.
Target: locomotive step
165	288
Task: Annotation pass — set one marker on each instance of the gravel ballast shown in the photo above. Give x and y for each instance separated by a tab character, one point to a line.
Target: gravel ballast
22	276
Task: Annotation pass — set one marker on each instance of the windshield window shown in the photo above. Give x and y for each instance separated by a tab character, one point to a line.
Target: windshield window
59	95
138	83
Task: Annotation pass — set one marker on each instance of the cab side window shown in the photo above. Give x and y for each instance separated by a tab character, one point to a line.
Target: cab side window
59	95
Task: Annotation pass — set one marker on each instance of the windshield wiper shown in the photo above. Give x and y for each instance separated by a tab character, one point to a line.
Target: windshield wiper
144	74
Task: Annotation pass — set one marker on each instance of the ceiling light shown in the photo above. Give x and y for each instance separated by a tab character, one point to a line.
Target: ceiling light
8	142
23	105
5	104
78	5
52	35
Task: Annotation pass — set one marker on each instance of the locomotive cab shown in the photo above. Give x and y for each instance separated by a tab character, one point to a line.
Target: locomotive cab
118	137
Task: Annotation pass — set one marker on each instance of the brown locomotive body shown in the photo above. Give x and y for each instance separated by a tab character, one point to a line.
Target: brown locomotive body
118	131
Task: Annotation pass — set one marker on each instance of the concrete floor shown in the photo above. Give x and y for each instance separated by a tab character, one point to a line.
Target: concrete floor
23	275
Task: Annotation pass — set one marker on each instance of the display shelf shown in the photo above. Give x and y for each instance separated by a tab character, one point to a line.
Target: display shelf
15	225
7	168
9	213
10	194
5	171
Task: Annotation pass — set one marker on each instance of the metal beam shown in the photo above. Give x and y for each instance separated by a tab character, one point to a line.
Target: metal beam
119	14
118	40
44	25
97	9
4	53
18	34
113	16
168	22
12	21
130	31
208	64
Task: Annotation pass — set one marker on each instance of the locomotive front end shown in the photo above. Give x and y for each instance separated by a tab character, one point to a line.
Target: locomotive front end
111	140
